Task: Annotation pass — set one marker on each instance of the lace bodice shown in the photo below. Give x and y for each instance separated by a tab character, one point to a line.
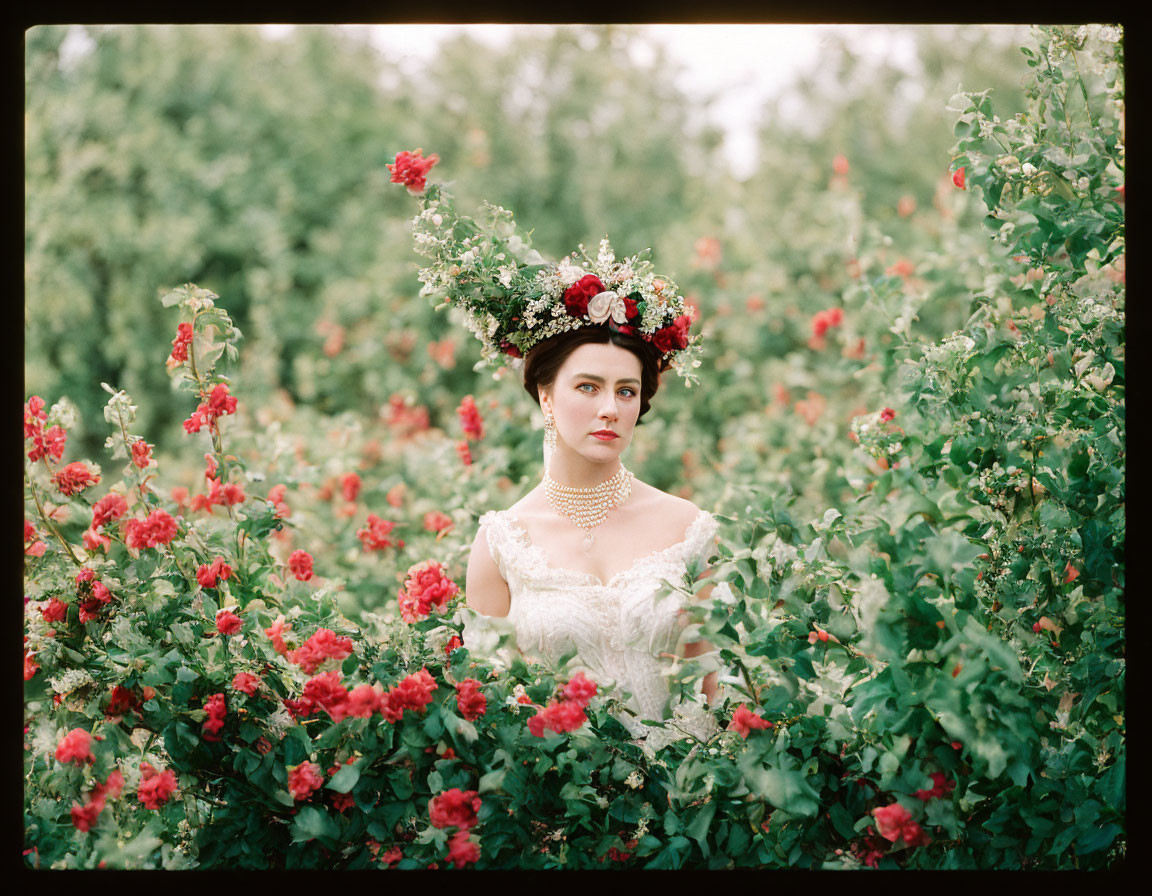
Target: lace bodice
618	629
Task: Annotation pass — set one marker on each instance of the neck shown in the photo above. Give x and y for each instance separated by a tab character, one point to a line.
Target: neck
574	471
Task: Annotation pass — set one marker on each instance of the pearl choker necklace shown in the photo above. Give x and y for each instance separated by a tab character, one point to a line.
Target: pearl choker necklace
587	507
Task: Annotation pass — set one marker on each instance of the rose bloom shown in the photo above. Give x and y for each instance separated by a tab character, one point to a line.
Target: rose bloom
577	296
673	337
462	850
48	443
228	623
75	746
412	693
55	610
329	694
159	528
363	700
275	633
580	689
894	822
217	708
566	715
141	453
465	453
377	535
111	507
323	645
411	169
744	720
121	701
155	787
425	587
246	683
207	575
181	342
74	478
304	780
469	700
454	808
452	644
300	565
887	414
350	484
437	521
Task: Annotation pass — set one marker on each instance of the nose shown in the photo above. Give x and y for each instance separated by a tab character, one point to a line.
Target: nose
608	410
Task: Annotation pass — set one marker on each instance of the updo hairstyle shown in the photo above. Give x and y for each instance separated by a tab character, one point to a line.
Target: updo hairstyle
544	361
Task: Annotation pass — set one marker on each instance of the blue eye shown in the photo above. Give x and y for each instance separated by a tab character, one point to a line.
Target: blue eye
582	385
631	392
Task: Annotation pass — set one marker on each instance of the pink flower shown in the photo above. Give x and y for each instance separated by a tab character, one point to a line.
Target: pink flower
363	700
894	822
75	746
207	575
300	565
74	478
887	414
562	716
350	484
304	780
141	453
744	720
462	850
159	528
580	689
470	420
411	693
425	587
323	645
275	633
377	535
155	787
326	692
181	342
48	443
111	507
411	169
840	165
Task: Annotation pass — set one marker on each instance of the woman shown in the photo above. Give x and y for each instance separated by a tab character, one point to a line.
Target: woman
579	571
577	564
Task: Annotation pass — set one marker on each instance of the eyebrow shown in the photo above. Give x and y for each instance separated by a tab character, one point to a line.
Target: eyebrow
600	379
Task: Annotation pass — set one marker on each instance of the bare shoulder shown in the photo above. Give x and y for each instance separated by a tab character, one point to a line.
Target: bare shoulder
675	512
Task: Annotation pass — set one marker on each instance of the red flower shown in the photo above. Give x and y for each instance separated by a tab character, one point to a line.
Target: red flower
392	856
111	507
323	645
228	623
903	268
48	443
566	715
342	801
894	822
887	414
377	535
822	320
363	700
437	521
326	692
454	808
74	478
577	296
674	336
452	644
246	683
304	780
350	484
958	177
217	708
207	575
470	420
580	689
141	453
941	787
158	528
464	452
181	342
469	700
1070	572
840	165
219	403
300	565
33	546
122	701
425	587
75	746
155	787
411	169
744	720
462	849
412	693
33	414
55	610
509	349
30	667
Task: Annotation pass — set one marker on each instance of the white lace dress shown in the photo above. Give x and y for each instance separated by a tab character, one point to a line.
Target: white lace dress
618	629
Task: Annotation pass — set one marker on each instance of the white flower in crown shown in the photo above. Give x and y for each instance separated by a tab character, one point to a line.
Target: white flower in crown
568	272
607	304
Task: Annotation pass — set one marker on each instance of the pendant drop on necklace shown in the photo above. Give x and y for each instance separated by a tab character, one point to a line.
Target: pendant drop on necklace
589	538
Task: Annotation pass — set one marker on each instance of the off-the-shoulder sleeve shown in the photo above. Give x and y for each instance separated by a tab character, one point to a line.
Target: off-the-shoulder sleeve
494	533
701	538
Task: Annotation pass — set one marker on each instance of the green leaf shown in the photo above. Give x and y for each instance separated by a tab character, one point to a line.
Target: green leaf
345	779
312	823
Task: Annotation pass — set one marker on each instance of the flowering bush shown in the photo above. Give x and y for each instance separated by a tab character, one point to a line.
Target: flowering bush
919	631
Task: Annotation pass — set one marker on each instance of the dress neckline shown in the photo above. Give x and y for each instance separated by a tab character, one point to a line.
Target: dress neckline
526	542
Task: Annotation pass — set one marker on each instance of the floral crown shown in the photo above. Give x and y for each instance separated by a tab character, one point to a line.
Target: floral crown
513	299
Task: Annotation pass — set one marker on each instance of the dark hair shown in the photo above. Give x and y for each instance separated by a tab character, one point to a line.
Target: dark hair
543	361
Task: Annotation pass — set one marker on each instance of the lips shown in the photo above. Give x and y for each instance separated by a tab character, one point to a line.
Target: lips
605	434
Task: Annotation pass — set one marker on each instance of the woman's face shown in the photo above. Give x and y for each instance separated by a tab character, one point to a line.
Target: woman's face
597	390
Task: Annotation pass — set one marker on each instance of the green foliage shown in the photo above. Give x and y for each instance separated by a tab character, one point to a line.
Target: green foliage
921	568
